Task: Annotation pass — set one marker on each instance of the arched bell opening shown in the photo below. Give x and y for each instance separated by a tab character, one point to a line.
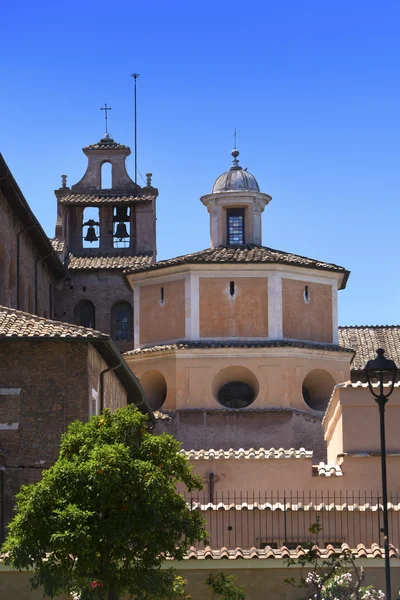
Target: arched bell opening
121	226
91	227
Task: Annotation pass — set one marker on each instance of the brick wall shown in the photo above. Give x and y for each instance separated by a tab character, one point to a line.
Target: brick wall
104	288
44	386
10	227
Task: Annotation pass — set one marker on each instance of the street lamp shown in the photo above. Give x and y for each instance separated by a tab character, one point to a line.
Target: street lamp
379	370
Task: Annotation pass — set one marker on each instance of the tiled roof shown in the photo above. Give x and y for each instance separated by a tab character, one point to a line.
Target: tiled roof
250	254
375	551
182	345
246	454
98	198
328	470
18	324
366	339
57	244
103	261
106	143
293	506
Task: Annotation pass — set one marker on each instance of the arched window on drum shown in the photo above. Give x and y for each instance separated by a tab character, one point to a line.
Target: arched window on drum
121	322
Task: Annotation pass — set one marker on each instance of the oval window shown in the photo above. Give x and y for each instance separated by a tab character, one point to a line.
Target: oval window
236	394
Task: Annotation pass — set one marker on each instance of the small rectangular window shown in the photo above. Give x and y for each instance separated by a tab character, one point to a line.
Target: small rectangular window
232	288
162	296
235	226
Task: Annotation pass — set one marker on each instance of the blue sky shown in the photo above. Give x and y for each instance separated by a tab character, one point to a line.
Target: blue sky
312	88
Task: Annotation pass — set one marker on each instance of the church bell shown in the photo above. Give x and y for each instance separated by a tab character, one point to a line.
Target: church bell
121	232
121	214
91	235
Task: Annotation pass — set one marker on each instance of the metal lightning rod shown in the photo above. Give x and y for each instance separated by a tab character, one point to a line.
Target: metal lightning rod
135	76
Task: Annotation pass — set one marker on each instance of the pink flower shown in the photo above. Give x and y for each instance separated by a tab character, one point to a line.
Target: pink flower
96	584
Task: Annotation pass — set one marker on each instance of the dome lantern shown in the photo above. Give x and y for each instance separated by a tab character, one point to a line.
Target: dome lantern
235	206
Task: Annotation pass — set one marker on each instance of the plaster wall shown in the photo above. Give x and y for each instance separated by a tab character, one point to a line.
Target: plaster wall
162	319
279	372
307	319
261	579
223	314
352	422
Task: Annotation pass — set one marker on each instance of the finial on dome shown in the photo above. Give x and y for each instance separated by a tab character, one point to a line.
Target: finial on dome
235	154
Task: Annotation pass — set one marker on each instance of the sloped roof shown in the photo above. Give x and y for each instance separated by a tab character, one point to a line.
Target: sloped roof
251	254
104	198
366	339
183	345
19	324
107	261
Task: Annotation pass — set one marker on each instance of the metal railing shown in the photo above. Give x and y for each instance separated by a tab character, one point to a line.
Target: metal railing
260	519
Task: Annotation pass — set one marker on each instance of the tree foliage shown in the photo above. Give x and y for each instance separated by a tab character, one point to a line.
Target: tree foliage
332	578
225	586
106	514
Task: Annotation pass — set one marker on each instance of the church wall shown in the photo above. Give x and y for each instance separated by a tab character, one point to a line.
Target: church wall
227	302
278	375
162	312
10	227
44	386
204	429
307	310
102	287
114	392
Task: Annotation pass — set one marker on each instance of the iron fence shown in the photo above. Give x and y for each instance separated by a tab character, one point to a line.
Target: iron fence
260	519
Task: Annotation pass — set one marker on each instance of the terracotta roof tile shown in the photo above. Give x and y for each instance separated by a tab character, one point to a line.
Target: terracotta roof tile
104	261
250	254
17	324
98	198
366	339
283	552
182	345
292	506
57	244
106	143
261	453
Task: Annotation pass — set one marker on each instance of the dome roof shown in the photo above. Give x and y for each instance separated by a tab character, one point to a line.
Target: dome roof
236	179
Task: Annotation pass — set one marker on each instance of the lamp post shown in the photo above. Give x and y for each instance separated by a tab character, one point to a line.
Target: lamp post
377	371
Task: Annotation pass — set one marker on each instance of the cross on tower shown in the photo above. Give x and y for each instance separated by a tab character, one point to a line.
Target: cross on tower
105	108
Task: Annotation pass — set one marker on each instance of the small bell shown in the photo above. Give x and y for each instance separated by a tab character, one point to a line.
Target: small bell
91	235
121	214
121	232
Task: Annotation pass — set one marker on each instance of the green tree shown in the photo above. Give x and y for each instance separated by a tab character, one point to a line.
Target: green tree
336	577
104	517
225	586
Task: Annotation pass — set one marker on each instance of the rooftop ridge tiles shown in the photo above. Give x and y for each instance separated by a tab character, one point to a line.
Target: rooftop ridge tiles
251	453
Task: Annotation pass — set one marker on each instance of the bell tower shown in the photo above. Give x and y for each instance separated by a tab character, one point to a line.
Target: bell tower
95	219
